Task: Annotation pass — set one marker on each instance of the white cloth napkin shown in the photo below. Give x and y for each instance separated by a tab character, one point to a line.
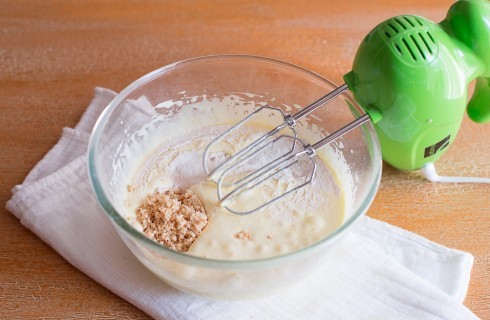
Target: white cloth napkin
379	271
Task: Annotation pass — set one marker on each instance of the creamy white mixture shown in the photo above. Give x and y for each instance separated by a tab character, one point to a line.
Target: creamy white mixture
171	156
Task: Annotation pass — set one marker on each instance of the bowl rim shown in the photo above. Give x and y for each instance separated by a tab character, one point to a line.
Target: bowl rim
121	223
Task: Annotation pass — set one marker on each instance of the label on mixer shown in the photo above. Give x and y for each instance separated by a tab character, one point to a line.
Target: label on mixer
433	149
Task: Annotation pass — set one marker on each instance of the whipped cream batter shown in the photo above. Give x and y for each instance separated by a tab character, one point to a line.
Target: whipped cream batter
169	154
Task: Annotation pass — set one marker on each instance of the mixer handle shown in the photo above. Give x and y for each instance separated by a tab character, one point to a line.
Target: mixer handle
479	105
468	21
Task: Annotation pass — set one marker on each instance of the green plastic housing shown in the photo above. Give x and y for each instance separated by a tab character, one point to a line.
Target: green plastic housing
411	76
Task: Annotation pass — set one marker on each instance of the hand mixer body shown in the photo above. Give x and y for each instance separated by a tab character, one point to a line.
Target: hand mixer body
415	74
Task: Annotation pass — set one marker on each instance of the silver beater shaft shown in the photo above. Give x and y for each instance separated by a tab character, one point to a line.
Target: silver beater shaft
320	102
344	130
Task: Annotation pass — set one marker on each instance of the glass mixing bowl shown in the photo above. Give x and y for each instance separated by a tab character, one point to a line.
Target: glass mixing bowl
165	92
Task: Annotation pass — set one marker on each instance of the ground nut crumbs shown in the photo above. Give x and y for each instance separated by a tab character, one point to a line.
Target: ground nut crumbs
130	188
243	235
174	218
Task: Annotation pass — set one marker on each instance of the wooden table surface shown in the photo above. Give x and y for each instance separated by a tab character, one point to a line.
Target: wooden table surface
53	54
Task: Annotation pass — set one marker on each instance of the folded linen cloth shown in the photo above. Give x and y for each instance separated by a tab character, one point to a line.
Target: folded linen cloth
379	271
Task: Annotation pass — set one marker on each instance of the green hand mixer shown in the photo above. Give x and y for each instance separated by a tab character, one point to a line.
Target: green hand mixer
411	77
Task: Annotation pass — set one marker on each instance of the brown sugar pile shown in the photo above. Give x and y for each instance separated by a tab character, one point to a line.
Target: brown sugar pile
175	218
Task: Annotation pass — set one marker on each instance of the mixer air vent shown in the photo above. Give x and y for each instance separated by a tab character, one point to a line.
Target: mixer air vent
410	38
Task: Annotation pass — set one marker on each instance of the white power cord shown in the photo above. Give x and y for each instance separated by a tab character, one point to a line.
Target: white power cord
429	172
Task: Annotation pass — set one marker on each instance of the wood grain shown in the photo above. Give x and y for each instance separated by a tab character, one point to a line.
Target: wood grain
53	53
